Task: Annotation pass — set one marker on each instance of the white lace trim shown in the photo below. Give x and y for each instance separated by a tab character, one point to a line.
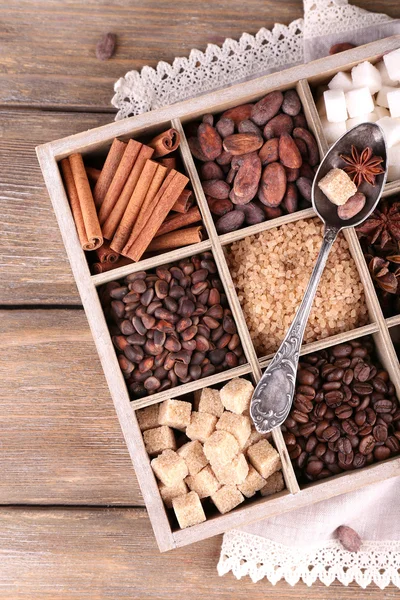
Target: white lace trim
247	554
204	71
323	17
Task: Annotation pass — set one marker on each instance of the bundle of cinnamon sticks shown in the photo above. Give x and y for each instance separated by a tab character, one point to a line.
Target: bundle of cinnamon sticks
136	203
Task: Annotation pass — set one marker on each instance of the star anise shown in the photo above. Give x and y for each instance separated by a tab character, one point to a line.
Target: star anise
383	226
362	166
385	279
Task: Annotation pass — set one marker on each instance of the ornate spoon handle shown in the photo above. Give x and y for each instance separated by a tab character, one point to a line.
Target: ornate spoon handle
273	396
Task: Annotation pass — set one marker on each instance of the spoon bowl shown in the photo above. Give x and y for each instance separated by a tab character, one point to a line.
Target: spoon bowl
273	396
361	136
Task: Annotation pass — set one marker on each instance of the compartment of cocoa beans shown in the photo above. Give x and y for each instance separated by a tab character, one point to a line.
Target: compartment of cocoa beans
171	325
345	414
256	162
379	237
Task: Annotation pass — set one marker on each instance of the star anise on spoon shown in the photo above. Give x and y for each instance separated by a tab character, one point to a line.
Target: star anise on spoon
362	166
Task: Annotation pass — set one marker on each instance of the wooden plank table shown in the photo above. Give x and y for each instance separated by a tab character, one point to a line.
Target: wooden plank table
72	518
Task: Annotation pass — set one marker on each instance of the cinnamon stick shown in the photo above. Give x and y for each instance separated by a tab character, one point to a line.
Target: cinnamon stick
179	221
184	202
110	166
105	254
166	142
166	201
169	162
87	217
132	210
100	267
93	174
114	219
176	239
121	175
74	202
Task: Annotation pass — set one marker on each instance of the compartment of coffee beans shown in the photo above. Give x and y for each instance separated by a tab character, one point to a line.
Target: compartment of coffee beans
171	325
345	413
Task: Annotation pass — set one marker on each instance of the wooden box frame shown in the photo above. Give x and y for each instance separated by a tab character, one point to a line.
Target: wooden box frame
100	138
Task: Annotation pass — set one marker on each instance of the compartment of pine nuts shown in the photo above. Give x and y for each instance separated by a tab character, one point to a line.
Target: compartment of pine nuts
129	310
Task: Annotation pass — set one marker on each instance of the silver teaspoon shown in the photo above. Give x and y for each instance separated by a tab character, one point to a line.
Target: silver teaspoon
273	396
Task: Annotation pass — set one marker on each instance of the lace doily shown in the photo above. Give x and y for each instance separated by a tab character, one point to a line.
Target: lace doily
323	17
204	71
247	554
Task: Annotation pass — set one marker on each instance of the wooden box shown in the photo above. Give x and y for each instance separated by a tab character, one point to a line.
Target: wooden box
303	78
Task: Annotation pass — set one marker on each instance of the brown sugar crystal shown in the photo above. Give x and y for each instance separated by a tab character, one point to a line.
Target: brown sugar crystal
188	510
204	483
148	417
236	395
264	458
175	413
234	472
201	426
193	455
158	439
169	492
208	400
227	498
221	447
237	425
169	467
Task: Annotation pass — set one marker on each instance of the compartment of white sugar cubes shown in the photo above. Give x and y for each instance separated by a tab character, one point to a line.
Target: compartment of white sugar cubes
366	94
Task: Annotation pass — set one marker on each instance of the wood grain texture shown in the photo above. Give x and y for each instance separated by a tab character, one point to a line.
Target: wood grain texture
105	554
34	264
61	442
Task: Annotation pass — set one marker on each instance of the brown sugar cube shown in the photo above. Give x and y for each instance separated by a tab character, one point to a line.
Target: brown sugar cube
237	425
188	510
264	458
204	483
159	439
274	484
226	498
208	400
169	467
148	417
194	457
236	395
234	472
254	437
168	492
201	426
337	186
252	484
175	413
220	448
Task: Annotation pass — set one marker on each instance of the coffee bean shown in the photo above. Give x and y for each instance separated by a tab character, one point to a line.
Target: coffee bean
367	444
314	467
305	377
299	417
331	386
320	450
348	376
383	406
379	385
393	443
362	389
307	429
345	461
331	434
333	398
380	433
381	452
344	445
342	350
344	411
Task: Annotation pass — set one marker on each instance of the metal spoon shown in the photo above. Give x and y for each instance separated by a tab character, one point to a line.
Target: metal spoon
273	396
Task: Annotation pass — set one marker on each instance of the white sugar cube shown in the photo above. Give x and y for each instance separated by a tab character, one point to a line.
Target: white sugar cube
367	75
394	103
392	63
341	81
381	112
393	172
391	130
369	118
393	157
359	102
381	98
335	105
333	131
384	74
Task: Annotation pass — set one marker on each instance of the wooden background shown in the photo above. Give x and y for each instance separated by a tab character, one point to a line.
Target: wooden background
72	522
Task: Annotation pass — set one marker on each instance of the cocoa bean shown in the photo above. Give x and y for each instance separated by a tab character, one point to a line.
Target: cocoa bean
309	139
224	158
105	47
280	124
210	170
209	140
306	170
269	151
300	121
273	185
225	126
272	212
247	178
289	154
302	148
248	126
266	108
341	47
231	221
352	207
216	188
219	207
230	177
196	150
291	104
290	201
242	143
238	113
253	213
208	118
304	186
349	538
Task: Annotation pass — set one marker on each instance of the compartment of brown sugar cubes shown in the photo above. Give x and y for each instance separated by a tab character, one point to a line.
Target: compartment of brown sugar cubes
171	325
135	203
206	453
256	161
